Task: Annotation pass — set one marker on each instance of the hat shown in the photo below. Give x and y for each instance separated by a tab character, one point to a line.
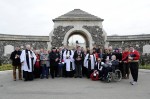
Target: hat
94	48
116	49
53	48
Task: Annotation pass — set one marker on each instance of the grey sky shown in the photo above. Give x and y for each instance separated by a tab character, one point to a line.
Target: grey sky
34	17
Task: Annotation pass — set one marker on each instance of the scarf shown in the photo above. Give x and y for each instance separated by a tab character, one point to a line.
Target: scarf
27	59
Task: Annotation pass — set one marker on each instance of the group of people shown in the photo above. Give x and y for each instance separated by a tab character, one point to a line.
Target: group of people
65	62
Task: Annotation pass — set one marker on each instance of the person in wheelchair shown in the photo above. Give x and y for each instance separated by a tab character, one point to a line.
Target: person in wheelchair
114	63
110	66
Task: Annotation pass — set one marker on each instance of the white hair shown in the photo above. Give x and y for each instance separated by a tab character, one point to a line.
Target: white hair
28	46
113	57
37	51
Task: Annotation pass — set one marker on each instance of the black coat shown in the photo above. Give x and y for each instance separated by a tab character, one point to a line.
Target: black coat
105	55
52	57
15	61
118	56
78	62
115	64
96	65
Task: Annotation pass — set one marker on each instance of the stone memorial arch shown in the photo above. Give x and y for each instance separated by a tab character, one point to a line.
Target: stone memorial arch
81	23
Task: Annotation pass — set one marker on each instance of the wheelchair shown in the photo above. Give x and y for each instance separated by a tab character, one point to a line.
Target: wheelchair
114	76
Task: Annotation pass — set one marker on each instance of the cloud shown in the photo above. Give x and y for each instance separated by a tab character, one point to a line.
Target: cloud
122	17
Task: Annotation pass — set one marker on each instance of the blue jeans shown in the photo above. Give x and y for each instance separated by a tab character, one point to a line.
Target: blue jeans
45	70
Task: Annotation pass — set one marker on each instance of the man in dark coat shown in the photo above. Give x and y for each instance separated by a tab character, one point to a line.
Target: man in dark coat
15	57
79	58
54	60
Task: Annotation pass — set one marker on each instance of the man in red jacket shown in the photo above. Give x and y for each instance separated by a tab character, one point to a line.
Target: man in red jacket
133	62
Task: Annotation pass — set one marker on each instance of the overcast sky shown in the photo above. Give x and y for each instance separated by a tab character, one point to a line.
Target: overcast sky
34	17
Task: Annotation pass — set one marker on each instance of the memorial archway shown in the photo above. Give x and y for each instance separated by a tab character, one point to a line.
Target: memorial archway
87	37
77	39
77	22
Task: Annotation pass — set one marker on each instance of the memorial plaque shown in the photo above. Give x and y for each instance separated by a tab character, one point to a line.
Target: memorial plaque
8	49
146	49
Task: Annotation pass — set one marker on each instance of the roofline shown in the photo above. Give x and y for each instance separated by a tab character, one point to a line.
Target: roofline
11	37
77	19
141	37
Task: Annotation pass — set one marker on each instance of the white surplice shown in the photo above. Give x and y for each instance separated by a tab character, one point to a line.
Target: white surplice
69	60
93	59
24	61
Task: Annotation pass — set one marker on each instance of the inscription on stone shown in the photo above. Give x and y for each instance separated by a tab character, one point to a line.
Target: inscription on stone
146	49
8	49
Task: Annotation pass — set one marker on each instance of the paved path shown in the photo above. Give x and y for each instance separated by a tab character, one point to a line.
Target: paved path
73	88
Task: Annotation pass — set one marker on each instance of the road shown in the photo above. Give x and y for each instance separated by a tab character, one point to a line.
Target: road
74	88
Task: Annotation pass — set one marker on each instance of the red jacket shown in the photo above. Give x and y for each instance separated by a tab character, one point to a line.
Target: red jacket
125	56
37	63
135	54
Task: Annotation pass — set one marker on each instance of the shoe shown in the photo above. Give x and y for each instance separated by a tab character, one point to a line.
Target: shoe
52	77
25	80
123	77
20	78
14	79
41	77
133	83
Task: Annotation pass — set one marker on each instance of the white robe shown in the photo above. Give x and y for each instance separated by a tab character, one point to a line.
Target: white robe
93	59
23	59
67	61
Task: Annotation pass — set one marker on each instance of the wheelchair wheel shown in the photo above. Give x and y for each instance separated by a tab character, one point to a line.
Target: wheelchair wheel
117	75
109	77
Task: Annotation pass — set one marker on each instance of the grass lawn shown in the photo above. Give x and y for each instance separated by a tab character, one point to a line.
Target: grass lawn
145	66
5	67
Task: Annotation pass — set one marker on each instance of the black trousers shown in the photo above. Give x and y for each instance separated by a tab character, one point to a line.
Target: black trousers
78	69
134	66
83	70
64	71
89	72
28	76
126	69
106	70
37	72
121	69
69	73
54	70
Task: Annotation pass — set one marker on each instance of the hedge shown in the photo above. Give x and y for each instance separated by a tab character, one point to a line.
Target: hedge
5	67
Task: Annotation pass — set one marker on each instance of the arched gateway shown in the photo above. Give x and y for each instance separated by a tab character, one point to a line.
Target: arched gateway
81	23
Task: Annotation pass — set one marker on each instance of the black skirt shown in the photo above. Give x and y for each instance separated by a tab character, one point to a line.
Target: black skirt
28	76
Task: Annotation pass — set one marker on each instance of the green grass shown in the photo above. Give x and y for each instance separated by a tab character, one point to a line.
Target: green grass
6	67
145	66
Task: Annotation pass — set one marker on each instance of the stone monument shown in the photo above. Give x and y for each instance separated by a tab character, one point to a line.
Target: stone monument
81	23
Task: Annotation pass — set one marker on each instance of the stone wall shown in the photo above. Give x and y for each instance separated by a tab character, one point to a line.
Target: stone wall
36	42
137	41
60	31
96	33
58	35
